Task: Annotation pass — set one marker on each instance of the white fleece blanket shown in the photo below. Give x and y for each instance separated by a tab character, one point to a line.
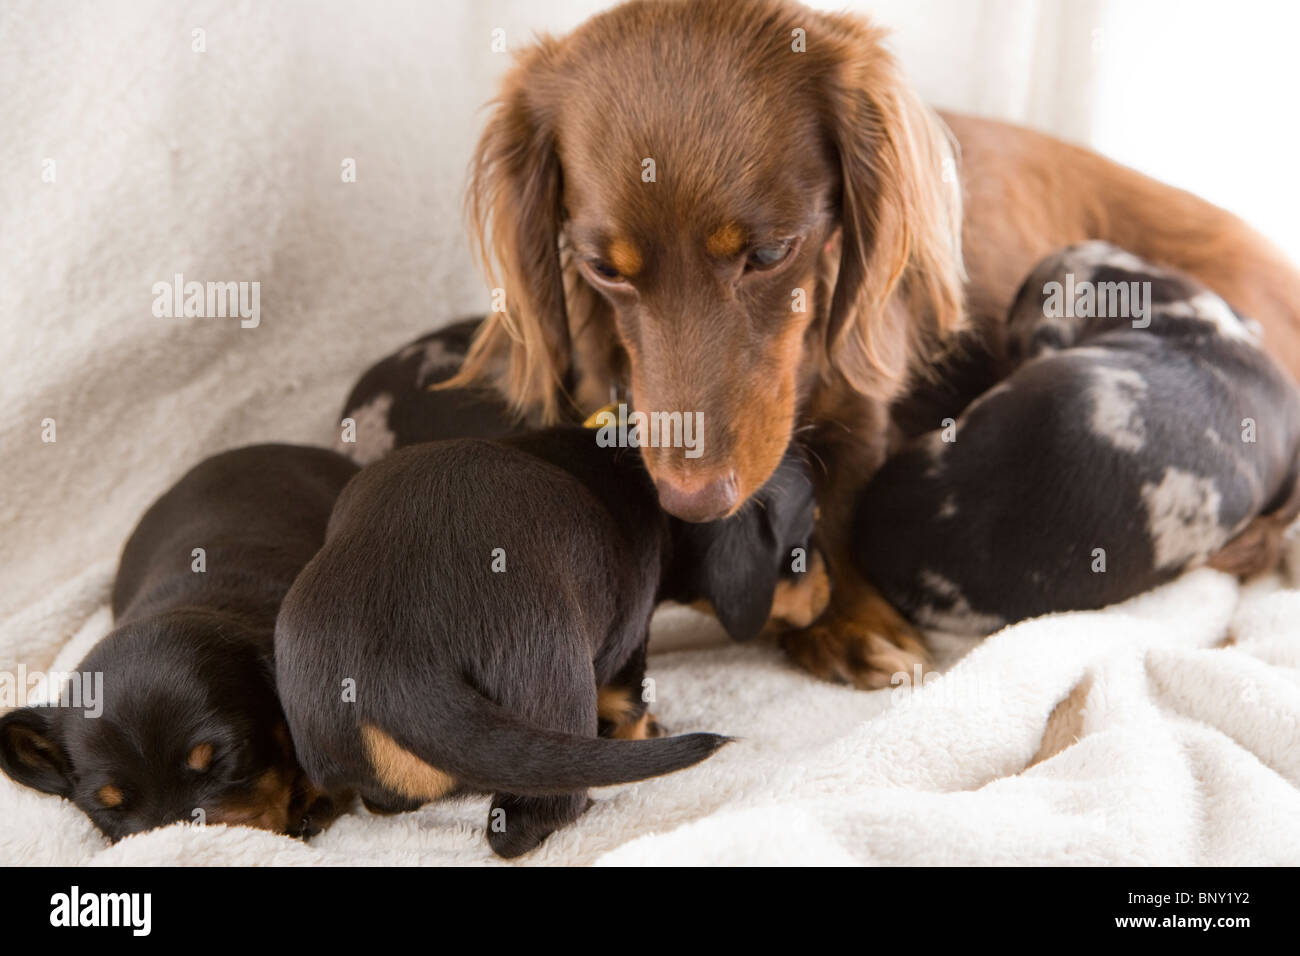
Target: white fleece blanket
1162	731
129	156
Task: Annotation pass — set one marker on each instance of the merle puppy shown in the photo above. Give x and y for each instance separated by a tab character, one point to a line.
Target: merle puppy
1190	433
479	607
392	406
190	720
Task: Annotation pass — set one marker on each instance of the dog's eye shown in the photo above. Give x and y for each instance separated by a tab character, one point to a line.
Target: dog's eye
605	270
766	256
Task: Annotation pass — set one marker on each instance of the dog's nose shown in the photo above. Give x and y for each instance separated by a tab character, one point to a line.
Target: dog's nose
702	498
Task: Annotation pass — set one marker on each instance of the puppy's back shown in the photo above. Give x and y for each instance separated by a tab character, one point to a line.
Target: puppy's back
259	513
458	560
1189	430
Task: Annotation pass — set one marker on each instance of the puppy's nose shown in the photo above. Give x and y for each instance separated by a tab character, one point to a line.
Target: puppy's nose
705	497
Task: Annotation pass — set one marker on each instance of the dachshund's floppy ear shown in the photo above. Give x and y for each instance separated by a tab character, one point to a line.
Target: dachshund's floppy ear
737	573
31	755
514	205
899	288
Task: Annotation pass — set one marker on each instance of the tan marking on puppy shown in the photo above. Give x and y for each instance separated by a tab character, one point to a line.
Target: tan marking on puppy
266	807
615	705
800	601
625	257
109	796
402	771
200	758
726	242
638	729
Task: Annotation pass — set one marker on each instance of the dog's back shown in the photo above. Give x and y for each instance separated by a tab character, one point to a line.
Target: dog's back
454	629
1189	431
249	518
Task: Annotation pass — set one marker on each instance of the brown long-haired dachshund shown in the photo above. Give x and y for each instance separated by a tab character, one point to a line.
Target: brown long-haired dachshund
738	208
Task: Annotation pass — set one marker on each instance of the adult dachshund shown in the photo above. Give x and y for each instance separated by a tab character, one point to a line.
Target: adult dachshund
739	208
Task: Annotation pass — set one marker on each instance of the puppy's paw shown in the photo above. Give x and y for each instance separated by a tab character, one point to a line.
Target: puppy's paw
865	650
322	810
518	824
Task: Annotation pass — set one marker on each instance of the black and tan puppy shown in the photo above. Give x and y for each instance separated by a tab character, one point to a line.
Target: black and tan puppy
479	606
190	720
391	405
1141	430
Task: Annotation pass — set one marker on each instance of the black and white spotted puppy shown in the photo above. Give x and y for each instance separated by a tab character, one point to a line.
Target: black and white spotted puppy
1115	368
391	405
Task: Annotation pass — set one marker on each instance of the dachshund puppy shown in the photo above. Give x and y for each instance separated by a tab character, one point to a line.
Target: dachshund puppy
392	406
779	234
190	720
1124	446
477	608
401	401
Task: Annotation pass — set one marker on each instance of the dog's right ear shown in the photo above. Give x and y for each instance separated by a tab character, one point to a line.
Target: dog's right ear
515	209
735	571
30	754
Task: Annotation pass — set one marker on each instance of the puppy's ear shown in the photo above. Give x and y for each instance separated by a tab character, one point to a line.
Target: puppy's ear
899	287
514	206
738	574
30	754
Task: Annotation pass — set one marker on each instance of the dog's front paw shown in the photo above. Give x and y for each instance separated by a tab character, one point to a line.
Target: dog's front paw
865	649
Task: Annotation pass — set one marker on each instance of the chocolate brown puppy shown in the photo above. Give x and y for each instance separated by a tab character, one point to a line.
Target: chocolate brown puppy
479	606
189	726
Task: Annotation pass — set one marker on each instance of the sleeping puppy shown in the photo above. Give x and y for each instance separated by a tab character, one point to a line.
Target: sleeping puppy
1185	441
391	405
190	721
478	608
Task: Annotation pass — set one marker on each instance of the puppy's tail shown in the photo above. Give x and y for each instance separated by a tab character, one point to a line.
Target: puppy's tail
486	747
